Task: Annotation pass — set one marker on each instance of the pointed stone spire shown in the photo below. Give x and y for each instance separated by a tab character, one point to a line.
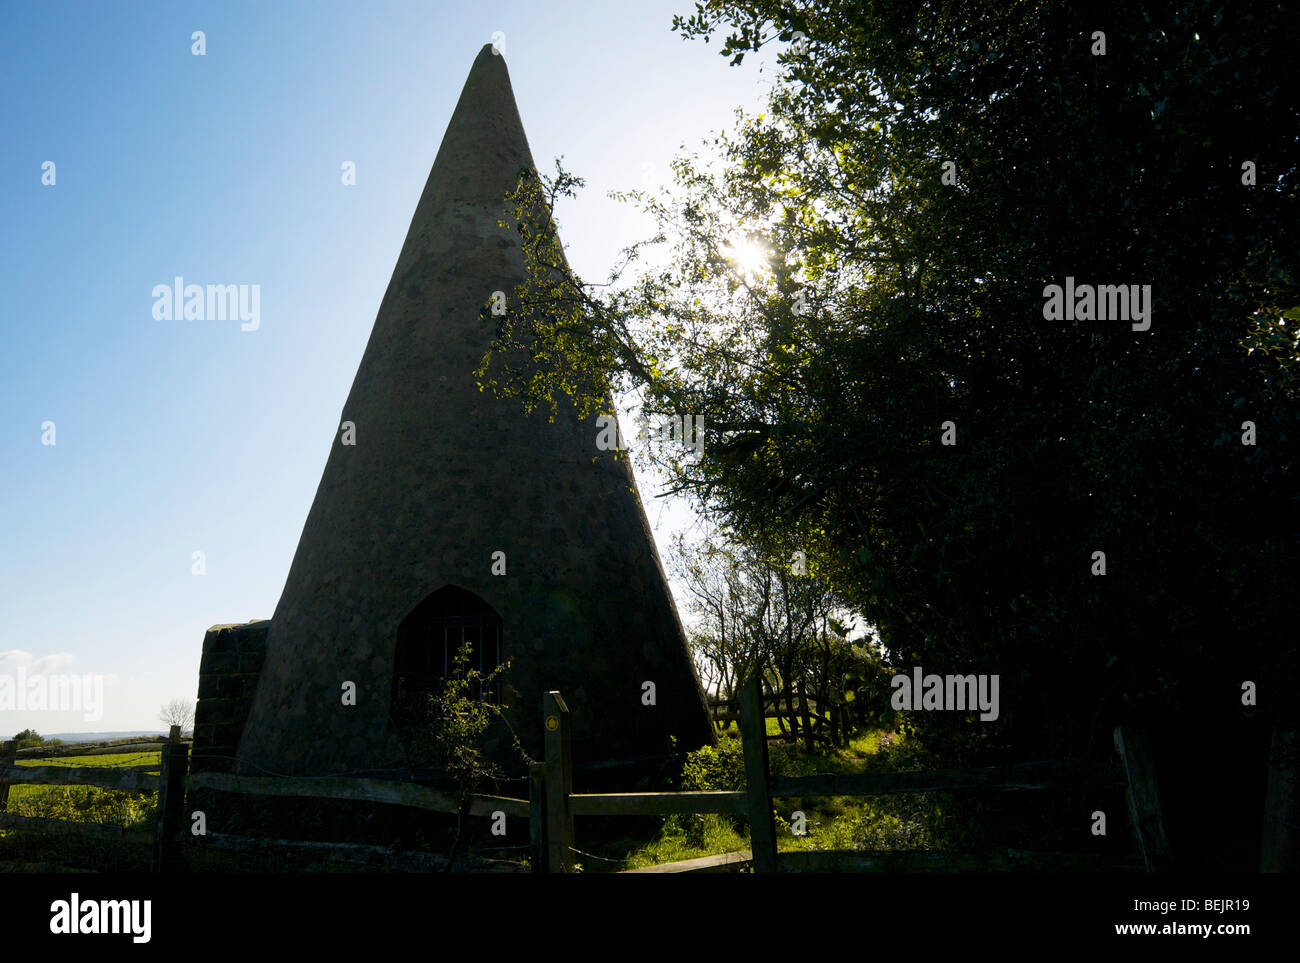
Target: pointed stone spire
441	477
482	153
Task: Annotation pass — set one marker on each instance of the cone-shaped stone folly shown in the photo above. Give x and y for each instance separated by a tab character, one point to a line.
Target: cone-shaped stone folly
442	476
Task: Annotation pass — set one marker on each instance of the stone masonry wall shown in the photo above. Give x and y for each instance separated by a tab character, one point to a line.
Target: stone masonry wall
228	673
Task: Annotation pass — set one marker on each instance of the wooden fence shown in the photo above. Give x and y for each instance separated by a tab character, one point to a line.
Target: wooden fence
755	803
174	781
132	779
828	721
552	803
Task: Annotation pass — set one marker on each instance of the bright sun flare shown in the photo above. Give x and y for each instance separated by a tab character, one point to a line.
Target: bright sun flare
749	256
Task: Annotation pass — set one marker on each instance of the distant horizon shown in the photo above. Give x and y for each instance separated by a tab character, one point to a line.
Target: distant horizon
101	732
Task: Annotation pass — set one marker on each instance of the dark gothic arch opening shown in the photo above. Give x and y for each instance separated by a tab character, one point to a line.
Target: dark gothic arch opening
428	641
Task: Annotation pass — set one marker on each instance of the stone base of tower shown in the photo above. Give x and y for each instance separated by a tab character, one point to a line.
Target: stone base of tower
228	672
230	667
614	732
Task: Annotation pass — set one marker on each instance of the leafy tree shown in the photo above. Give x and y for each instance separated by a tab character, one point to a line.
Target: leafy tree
922	173
460	715
29	738
760	613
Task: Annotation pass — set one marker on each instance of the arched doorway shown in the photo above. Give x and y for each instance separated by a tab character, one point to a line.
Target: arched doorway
428	640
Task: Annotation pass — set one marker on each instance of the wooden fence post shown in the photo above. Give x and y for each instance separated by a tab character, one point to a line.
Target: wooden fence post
171	800
7	756
537	815
753	740
1143	796
559	784
1280	840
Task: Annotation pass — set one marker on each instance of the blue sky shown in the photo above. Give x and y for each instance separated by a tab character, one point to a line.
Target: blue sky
173	437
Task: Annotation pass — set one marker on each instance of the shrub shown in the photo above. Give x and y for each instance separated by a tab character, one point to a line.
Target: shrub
87	804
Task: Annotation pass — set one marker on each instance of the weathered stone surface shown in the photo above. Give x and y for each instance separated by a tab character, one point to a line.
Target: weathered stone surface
219	640
443	475
218	663
237	686
217	710
228	673
227	734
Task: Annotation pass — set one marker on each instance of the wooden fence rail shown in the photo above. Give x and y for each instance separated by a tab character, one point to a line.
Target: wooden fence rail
105	778
657	803
135	779
114	748
366	790
173	781
826	717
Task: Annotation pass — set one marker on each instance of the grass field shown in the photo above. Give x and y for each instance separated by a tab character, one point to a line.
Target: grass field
25	800
51	850
773	727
